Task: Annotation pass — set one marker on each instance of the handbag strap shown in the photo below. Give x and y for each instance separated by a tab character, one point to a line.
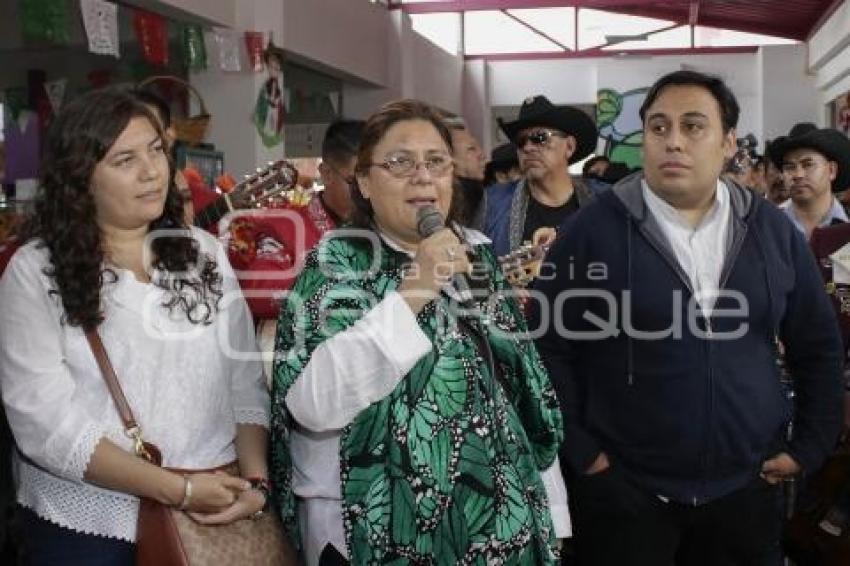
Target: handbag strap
131	427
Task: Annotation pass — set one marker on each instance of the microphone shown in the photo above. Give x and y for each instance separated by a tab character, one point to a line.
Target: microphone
429	221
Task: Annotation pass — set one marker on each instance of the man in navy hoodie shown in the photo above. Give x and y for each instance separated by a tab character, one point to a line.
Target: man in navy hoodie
668	298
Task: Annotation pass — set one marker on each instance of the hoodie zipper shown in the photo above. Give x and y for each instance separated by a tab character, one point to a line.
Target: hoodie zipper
731	258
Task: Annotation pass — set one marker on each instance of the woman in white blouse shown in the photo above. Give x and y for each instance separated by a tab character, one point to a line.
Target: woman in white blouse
107	249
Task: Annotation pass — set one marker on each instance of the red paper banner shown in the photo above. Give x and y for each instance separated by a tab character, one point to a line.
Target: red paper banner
153	37
254	41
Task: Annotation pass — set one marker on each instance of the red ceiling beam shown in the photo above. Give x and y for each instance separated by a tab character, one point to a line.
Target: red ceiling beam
705	19
477	5
597	52
681	11
693	16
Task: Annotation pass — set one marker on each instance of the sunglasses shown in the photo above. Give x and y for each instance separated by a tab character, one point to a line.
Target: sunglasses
540	138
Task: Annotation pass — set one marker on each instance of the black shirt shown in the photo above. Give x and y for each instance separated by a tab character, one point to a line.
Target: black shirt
538	215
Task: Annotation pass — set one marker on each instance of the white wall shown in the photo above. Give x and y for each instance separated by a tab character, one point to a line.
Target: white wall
563	81
416	68
476	101
437	75
829	58
790	93
351	37
831	38
576	81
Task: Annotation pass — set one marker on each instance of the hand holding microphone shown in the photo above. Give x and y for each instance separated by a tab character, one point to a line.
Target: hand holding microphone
440	258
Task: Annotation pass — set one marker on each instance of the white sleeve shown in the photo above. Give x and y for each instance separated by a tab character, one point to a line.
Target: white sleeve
556	492
358	366
37	385
243	362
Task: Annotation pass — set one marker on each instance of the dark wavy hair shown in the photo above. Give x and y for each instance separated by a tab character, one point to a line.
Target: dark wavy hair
64	216
374	131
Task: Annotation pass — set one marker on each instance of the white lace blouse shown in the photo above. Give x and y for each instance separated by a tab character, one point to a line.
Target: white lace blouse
188	385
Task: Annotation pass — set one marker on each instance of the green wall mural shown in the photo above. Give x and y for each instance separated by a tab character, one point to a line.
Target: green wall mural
619	124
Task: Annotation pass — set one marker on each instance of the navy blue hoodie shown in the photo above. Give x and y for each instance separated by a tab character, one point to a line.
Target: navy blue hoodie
693	412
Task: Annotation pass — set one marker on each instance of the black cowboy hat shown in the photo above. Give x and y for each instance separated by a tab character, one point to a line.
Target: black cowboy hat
829	142
538	111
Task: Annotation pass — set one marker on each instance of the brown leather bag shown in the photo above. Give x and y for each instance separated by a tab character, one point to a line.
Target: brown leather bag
169	537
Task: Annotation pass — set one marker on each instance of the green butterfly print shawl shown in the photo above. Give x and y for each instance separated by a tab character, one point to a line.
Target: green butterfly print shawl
445	469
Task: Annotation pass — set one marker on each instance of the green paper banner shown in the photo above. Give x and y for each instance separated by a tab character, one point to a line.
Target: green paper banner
16	101
45	20
194	49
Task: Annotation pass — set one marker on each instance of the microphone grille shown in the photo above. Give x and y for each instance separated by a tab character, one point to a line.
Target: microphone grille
429	220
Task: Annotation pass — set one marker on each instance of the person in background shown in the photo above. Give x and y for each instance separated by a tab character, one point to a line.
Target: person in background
758	175
777	192
830	244
548	138
469	171
403	431
663	350
808	157
100	253
267	246
595	167
503	166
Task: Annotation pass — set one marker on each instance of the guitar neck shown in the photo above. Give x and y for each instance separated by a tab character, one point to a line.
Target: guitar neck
255	190
212	213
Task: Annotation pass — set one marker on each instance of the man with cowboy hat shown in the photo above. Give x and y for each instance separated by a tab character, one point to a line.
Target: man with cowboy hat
831	244
815	163
548	139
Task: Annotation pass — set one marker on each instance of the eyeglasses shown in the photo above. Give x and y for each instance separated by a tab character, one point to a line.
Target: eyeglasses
540	138
404	165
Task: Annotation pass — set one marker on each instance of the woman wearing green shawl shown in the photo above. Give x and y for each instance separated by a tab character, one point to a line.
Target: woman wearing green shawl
404	433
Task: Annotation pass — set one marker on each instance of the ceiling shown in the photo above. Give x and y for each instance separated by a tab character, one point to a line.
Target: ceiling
791	19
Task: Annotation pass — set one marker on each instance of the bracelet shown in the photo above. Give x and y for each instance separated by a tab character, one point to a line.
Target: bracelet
264	487
187	493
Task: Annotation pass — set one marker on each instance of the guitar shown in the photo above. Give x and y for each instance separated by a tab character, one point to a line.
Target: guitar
522	265
278	178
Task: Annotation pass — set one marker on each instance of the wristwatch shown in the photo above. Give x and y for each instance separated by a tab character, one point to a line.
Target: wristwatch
263	486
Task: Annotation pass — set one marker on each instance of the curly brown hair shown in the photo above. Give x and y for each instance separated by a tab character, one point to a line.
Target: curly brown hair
63	219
